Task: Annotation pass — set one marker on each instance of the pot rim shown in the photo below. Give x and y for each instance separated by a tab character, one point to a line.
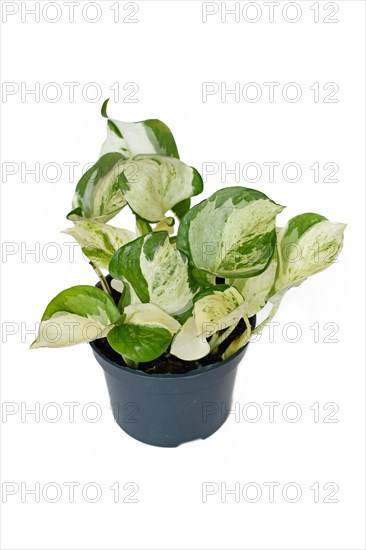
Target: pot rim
200	371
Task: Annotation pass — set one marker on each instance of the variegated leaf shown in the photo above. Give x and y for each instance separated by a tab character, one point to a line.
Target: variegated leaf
256	290
156	184
189	344
152	315
128	296
157	272
215	309
231	234
99	241
79	314
134	138
308	244
98	194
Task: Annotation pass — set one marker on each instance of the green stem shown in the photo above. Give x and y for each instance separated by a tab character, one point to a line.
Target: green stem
103	280
130	363
142	227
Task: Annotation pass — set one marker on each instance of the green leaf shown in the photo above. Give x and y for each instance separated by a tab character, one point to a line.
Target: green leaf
308	244
182	208
204	278
128	296
79	314
232	234
155	184
99	241
98	195
139	343
156	271
104	108
150	137
145	334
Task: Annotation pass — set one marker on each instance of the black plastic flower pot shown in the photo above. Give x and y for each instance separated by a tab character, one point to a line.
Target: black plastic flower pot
167	410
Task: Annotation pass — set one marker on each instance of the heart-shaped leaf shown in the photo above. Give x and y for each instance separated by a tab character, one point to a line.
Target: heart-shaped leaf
149	314
308	244
98	194
145	334
189	344
214	310
139	343
155	184
232	234
133	138
217	308
99	241
157	272
256	290
79	314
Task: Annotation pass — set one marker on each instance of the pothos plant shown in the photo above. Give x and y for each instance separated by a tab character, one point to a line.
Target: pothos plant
182	293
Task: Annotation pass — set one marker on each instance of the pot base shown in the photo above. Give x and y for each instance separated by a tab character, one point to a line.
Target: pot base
166	410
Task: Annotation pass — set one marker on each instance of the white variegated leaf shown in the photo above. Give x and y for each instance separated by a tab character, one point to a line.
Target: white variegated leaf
256	290
150	137
157	272
308	244
98	195
215	309
78	314
189	344
155	184
149	314
231	234
99	241
218	310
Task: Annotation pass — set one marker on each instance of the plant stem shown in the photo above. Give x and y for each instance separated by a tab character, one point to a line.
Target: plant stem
103	280
142	227
130	363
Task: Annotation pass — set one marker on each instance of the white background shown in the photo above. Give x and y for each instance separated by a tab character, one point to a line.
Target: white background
169	53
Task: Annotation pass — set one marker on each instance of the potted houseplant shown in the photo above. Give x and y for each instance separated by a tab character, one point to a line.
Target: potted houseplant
171	319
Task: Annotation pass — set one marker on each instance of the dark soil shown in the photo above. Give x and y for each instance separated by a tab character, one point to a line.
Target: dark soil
166	363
